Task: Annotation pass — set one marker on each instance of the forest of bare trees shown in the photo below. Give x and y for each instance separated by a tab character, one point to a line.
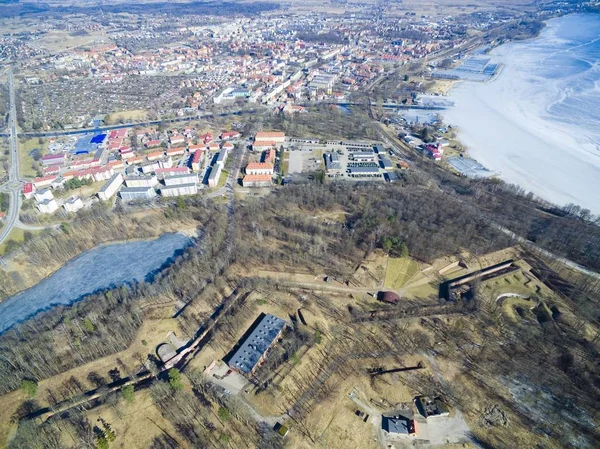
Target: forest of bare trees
107	322
317	228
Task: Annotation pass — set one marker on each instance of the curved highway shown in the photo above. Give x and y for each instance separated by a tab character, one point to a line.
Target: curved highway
13	186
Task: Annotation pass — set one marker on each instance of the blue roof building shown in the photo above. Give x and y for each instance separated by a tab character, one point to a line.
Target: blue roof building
252	351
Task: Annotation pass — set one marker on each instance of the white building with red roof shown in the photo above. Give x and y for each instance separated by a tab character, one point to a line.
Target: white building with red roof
28	190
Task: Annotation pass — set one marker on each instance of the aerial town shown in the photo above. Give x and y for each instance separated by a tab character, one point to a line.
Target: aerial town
247	224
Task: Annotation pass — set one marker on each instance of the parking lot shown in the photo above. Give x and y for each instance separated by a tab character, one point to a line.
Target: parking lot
304	160
230	380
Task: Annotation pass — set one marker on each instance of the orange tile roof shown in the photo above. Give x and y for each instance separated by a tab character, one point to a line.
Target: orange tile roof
259	166
155	154
265	135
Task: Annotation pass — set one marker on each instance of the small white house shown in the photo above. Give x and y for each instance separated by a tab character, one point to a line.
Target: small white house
45	194
73	204
47	206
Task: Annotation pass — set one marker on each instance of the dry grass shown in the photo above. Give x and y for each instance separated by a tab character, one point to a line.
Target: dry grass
25	160
137	423
399	271
16	235
152	331
137	115
442	87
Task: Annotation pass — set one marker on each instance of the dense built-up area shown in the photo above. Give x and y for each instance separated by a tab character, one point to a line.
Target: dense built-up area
160	70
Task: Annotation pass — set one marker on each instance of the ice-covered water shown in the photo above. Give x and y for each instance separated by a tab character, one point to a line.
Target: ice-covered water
94	270
538	122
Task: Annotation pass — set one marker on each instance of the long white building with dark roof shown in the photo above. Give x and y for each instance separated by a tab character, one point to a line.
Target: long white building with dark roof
255	347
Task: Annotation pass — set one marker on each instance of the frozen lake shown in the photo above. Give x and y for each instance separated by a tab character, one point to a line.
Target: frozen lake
538	123
97	269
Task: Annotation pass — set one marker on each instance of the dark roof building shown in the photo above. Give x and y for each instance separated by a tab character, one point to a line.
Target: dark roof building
254	348
389	297
430	407
332	162
364	171
399	425
385	162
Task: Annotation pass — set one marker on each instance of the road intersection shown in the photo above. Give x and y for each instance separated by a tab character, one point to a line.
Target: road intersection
13	186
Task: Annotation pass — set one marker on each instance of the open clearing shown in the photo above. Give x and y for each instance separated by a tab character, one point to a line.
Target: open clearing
399	271
17	235
137	115
25	159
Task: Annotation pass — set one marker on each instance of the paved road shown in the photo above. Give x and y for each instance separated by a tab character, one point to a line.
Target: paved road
227	189
27	227
13	186
72	132
405	149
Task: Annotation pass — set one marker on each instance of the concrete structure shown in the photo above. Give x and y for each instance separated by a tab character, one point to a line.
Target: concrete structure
167	162
231	94
137	193
303	141
385	162
431	407
399	425
364	172
73	204
270	136
135	160
269	156
362	156
150	167
323	82
215	173
336	144
259	168
179	189
44	181
257	181
164	172
176	140
264	145
198	159
222	157
332	163
174	180
254	348
101	173
141	181
28	190
42	195
47	206
53	159
227	135
155	155
176	151
110	187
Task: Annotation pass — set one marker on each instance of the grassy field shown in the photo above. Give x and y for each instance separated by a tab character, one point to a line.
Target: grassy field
3	158
126	116
16	235
25	160
153	332
285	163
222	179
399	271
83	192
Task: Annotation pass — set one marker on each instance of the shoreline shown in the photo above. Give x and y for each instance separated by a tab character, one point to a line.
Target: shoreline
554	160
189	233
52	292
